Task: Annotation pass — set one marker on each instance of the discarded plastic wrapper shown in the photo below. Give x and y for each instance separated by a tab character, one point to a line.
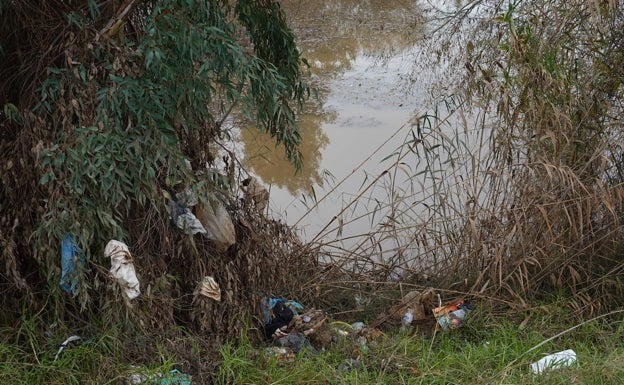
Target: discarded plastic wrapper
282	317
417	301
357	326
72	259
122	268
255	193
208	287
217	223
189	223
174	377
296	342
269	303
452	316
282	354
182	217
62	346
555	360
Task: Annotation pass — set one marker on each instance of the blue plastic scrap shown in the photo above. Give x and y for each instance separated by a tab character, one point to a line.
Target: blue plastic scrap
175	377
269	303
72	259
295	306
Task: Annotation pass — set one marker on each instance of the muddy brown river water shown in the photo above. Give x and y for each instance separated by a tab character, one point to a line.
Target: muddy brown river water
362	57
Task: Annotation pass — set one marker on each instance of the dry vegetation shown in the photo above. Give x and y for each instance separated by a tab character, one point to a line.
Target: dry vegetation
512	190
96	131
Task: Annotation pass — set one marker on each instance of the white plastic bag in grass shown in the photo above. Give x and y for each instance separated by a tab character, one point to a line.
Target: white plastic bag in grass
555	360
122	267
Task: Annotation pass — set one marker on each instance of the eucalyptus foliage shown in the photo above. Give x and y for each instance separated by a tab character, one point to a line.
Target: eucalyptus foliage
106	104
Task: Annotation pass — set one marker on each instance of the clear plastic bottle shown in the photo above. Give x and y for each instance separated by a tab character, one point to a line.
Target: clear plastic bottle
407	319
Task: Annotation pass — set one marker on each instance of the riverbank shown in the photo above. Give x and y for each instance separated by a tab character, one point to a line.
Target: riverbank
492	347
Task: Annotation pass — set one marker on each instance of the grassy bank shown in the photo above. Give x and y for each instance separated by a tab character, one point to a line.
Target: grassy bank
493	347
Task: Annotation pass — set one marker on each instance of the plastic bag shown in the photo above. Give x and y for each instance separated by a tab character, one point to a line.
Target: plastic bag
71	259
555	360
255	194
122	268
217	223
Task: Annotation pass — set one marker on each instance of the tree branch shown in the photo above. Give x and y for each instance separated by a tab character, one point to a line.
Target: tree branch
111	28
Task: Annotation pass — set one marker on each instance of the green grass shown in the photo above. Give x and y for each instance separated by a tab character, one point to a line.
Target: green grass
487	350
491	348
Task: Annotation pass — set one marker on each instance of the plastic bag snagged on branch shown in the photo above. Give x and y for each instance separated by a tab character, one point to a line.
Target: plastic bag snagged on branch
122	267
210	218
72	259
255	194
182	216
217	223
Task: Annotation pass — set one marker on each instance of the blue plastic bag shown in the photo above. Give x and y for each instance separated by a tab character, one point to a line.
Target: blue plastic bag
72	259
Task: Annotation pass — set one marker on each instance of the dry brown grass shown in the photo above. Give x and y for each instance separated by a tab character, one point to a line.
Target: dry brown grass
516	189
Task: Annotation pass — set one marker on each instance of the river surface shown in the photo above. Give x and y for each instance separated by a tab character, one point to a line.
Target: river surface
363	58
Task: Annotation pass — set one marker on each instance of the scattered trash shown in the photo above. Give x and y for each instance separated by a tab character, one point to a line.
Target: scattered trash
72	259
308	323
362	343
418	302
136	379
122	268
69	340
217	223
555	360
357	326
296	342
453	315
283	354
269	304
282	317
174	377
296	307
208	287
255	194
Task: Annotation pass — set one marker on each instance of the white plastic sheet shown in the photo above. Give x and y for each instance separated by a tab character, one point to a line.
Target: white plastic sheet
122	267
555	360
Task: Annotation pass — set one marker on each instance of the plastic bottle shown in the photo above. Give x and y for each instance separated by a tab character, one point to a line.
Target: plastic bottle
407	319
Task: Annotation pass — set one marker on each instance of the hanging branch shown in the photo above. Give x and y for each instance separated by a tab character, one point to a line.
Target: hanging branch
111	28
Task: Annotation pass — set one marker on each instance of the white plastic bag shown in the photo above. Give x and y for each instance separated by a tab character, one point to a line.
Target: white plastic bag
189	223
122	268
556	360
217	223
